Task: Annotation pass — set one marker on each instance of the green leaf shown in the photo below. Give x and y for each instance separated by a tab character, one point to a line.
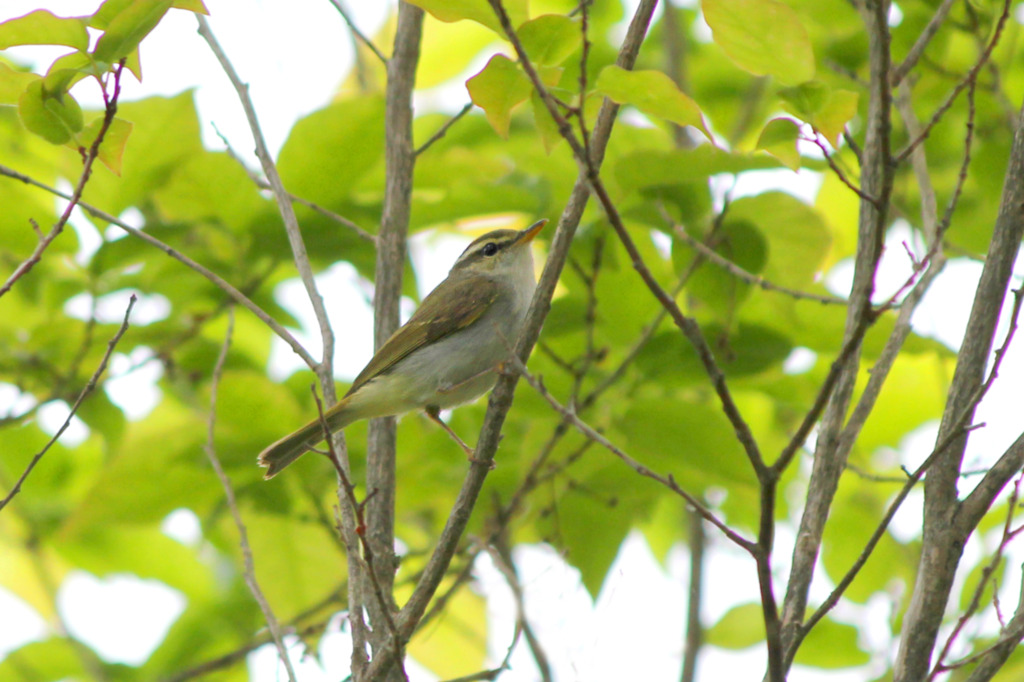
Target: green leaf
114	141
779	139
497	89
652	92
831	645
13	83
165	132
798	239
46	661
42	27
54	116
739	242
128	27
740	627
827	110
750	349
211	186
550	38
455	645
689	439
475	10
659	168
309	161
546	125
763	37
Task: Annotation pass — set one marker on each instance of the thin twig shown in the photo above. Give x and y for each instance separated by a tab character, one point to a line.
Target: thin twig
816	139
74	408
687	325
756	280
971	76
338	5
443	130
668	480
212	277
324	368
503	392
229	492
910	61
956	430
262	183
503	562
987	573
89	158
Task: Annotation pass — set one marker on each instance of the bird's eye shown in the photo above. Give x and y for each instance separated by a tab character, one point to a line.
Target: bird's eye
490	248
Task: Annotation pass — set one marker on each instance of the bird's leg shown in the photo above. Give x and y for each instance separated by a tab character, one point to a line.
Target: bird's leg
433	411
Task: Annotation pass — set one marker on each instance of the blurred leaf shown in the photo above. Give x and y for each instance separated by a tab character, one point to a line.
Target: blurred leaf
112	147
831	645
740	627
54	116
47	661
13	83
797	236
309	163
652	92
42	27
550	38
827	110
456	643
475	10
125	30
779	139
763	37
653	168
498	89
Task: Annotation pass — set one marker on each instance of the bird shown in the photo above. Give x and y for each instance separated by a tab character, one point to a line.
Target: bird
450	352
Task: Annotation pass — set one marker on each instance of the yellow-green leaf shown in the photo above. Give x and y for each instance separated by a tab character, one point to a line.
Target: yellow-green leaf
475	10
763	37
831	645
498	89
53	116
779	139
127	29
652	92
112	147
13	83
740	627
550	39
44	28
546	125
456	644
827	110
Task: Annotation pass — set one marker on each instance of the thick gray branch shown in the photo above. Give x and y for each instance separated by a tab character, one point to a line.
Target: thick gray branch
944	534
391	251
829	458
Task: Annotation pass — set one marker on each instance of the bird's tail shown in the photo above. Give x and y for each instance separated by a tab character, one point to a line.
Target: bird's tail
281	453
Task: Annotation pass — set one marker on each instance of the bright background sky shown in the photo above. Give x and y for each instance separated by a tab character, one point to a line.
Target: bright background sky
636	624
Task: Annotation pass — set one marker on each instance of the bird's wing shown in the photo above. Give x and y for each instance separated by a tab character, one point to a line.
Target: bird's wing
455	304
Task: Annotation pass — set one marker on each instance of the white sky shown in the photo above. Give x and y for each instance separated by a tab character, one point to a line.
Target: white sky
641	607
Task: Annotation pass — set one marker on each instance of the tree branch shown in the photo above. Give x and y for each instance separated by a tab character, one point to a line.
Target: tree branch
16	488
89	158
211	276
229	492
829	460
324	368
501	396
400	159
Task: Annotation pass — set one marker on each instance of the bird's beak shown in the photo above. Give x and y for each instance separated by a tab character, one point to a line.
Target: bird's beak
527	235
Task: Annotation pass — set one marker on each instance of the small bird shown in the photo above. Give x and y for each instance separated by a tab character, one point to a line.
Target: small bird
447	354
